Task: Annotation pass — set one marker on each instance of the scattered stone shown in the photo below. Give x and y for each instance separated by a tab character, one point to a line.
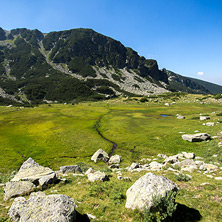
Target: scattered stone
210	124
198	158
203	184
155	166
196	131
39	207
97	175
215	137
180	117
34	173
204	117
90	170
140	194
100	155
218	178
114	166
14	189
124	178
214	156
188	155
162	156
187	162
70	169
198	137
90	216
208	167
171	159
189	168
220	144
210	176
199	163
115	159
134	166
166	104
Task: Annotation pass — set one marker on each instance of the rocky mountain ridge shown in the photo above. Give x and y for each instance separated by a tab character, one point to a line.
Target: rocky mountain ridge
73	65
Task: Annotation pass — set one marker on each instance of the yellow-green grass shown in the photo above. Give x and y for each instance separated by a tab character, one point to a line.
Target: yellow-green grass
59	135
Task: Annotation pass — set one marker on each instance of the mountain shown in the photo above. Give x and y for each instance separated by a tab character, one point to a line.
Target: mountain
191	85
73	65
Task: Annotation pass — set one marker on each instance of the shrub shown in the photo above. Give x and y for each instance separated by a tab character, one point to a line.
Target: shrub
162	207
182	177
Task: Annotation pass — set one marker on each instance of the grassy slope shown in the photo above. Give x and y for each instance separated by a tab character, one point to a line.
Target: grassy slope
49	133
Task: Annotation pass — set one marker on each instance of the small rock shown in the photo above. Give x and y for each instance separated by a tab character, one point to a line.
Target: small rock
218	178
204	117
115	159
196	137
180	117
210	124
100	155
70	169
188	155
97	175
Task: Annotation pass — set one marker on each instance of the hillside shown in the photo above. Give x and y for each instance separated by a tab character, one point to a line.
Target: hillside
75	65
191	85
70	65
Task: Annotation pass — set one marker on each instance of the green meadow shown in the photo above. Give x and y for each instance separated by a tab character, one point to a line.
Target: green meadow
57	134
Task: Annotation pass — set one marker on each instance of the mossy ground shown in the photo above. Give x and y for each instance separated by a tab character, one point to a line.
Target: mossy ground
59	135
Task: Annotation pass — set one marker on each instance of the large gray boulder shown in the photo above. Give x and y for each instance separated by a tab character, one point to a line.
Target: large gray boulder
14	189
39	207
140	194
70	169
100	155
34	173
198	137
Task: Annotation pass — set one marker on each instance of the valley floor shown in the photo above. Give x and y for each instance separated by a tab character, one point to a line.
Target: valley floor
56	135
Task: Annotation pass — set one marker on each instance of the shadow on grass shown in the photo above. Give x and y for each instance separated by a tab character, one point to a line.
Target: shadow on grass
82	218
185	214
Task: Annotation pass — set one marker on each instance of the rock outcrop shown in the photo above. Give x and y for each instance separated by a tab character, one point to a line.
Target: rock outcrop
41	207
140	194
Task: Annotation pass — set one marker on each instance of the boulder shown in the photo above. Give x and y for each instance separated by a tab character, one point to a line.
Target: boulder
140	194
187	162
70	169
198	137
97	175
188	155
189	168
210	124
204	117
39	207
33	172
100	155
14	189
115	159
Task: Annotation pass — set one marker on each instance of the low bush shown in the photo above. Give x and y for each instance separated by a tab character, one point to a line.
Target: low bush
162	207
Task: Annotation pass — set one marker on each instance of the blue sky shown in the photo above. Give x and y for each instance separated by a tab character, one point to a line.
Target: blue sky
184	36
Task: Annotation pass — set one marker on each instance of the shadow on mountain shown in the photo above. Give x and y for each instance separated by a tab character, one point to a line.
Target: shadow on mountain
82	218
185	214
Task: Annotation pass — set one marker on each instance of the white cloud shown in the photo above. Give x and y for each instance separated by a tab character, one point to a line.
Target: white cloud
200	73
